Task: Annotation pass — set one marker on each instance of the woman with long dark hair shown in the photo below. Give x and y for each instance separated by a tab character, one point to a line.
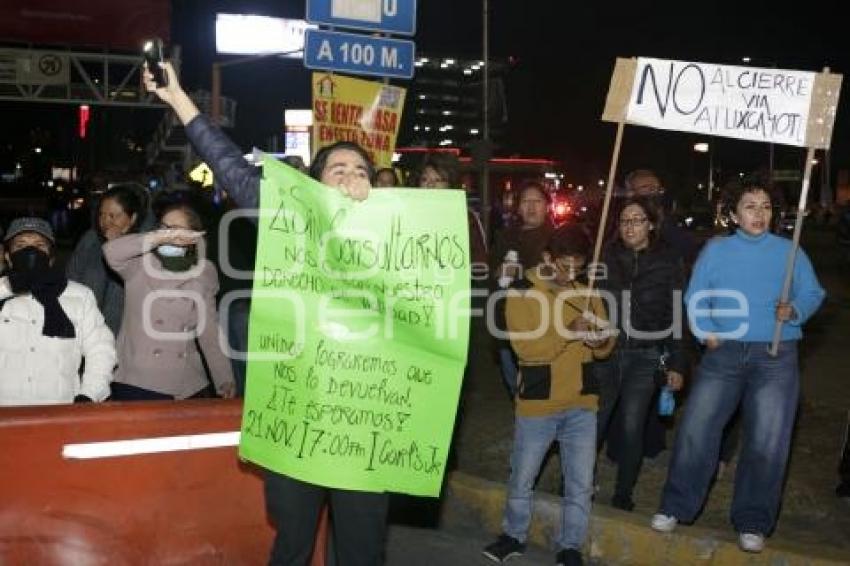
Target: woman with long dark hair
644	280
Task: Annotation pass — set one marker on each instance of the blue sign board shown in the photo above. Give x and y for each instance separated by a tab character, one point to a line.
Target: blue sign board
358	54
388	16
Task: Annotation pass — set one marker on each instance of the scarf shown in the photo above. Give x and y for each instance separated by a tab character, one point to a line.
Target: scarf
45	285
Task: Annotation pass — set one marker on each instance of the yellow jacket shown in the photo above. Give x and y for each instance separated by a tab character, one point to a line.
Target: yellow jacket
551	361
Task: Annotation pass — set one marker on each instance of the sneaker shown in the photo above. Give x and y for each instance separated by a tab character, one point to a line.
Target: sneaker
663	523
505	548
569	557
751	542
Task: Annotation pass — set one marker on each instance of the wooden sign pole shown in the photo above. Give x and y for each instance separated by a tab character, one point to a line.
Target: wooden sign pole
616	104
600	232
795	244
821	119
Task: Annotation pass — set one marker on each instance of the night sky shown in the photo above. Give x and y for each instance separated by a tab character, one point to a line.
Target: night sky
564	53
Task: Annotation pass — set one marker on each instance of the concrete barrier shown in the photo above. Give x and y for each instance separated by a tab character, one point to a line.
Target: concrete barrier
160	504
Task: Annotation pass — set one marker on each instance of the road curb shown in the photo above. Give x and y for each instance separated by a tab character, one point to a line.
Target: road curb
617	537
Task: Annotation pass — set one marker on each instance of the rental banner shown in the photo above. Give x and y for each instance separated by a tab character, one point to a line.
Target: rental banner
365	112
358	334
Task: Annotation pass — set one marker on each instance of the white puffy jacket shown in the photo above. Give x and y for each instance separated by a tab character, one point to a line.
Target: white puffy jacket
42	370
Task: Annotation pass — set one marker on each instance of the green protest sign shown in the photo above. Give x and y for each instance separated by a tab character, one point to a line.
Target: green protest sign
359	333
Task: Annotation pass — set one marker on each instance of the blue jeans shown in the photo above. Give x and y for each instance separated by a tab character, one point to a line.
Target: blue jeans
510	370
767	390
575	431
627	383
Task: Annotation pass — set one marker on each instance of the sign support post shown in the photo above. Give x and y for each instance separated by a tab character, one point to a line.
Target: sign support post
795	244
616	106
609	191
818	135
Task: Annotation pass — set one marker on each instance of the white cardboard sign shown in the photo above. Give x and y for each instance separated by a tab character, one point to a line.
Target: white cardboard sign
749	103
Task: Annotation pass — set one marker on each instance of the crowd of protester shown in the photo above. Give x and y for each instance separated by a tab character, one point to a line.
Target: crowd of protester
596	384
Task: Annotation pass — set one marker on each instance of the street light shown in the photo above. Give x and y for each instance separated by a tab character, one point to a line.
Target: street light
258	37
704	147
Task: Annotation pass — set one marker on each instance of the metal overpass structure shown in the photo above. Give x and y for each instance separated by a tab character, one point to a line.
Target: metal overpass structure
57	76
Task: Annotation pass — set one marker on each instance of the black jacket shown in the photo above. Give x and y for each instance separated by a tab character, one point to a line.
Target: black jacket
651	277
239	178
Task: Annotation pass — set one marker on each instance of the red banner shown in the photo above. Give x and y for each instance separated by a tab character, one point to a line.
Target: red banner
115	24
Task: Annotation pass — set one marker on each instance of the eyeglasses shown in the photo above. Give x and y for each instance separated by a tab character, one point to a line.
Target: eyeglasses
637	221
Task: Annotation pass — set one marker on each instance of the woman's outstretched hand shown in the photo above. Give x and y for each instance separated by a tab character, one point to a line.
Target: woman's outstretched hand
172	94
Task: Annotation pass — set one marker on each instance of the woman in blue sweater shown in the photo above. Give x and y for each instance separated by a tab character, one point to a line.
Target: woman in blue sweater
733	303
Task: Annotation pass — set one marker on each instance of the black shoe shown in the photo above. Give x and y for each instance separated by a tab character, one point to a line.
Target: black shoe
623	502
505	548
843	490
569	557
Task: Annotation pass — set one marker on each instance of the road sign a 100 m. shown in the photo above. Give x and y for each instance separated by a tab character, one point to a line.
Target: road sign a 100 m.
388	16
358	54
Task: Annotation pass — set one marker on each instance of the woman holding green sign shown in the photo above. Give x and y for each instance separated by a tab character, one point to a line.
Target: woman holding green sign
359	517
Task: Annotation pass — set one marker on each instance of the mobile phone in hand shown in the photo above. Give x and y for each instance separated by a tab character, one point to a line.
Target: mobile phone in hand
154	55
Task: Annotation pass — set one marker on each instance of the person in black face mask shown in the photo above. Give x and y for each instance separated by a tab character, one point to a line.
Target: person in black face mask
47	325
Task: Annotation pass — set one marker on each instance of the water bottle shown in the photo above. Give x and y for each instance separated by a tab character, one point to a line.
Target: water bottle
666	399
511	258
666	402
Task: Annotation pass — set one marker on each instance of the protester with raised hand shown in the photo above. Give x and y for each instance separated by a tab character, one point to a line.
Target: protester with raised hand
644	277
169	312
359	517
348	166
48	326
733	303
122	209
